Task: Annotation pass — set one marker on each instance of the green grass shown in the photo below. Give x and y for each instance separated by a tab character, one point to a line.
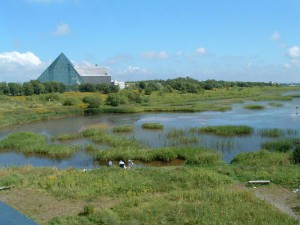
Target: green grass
66	137
278	145
168	195
226	130
154	126
254	107
277	133
275	104
127	128
273	132
263	165
192	155
32	143
181	137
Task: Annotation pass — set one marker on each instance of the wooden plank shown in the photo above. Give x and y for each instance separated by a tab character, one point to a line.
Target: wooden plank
258	181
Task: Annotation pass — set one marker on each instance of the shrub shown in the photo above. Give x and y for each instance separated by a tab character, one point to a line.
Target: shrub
70	101
51	97
92	101
148	91
115	99
87	210
296	154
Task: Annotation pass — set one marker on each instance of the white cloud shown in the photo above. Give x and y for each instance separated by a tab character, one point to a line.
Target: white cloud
62	29
294	52
16	66
275	36
131	73
24	59
155	55
134	70
201	51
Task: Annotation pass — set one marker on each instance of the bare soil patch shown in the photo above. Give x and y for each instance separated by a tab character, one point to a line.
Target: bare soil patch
283	199
42	207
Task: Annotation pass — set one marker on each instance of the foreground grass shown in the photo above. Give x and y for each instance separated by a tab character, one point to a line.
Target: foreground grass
168	195
264	165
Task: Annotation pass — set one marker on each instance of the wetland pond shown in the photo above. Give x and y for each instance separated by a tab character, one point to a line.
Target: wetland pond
284	115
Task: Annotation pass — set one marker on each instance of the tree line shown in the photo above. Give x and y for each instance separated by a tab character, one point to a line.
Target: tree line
35	87
190	85
181	84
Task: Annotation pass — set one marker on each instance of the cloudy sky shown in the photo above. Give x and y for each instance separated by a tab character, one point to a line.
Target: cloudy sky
245	40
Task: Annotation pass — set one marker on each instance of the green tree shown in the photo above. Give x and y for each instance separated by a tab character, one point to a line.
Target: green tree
142	85
15	88
87	87
103	88
114	88
115	99
38	87
28	88
92	101
4	88
148	91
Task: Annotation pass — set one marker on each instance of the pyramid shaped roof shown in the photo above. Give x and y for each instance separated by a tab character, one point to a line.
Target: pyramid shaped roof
61	70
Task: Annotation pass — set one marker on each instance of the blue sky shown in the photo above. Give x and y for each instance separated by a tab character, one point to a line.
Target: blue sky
244	40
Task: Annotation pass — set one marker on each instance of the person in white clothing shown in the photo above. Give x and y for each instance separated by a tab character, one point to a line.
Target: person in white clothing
122	164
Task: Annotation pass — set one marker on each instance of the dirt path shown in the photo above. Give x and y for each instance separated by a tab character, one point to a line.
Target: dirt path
285	200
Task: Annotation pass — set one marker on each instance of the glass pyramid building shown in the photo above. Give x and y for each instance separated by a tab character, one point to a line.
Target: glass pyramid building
61	70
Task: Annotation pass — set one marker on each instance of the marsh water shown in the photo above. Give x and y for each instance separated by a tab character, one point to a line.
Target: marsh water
283	116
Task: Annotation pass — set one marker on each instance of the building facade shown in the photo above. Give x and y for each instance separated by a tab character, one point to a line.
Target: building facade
62	70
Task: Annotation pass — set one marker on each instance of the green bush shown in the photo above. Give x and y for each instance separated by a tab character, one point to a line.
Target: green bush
70	101
92	101
115	99
87	210
296	154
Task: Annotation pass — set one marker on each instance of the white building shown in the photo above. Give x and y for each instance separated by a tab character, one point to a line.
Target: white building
121	84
